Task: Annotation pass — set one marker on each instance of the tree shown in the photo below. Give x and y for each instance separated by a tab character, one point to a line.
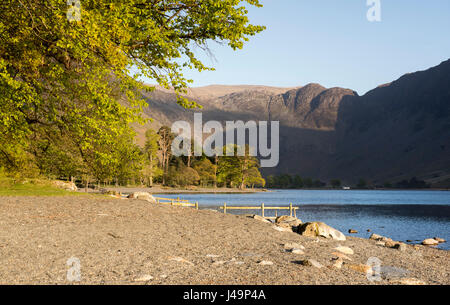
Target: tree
238	170
362	183
335	183
151	149
308	182
206	171
298	182
254	178
165	145
60	77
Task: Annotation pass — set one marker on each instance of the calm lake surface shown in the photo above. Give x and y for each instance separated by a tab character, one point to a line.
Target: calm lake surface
400	215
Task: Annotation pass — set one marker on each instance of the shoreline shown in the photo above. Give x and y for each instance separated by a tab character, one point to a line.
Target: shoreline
124	241
167	190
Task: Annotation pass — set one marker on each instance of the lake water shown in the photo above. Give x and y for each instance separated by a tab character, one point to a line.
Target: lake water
400	215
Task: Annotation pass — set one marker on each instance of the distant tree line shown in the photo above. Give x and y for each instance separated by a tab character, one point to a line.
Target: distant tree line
286	181
161	166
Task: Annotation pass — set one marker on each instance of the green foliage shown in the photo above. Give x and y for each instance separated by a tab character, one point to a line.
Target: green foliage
181	175
67	90
286	181
205	170
362	183
239	171
335	183
30	187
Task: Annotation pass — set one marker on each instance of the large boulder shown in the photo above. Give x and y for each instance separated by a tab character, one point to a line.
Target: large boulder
293	221
142	196
314	229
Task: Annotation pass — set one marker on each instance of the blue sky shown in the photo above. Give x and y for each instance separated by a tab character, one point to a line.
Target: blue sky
331	42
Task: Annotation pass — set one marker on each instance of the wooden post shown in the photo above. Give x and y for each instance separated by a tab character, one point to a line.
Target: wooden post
225	208
171	202
276	213
196	205
157	201
290	208
262	209
295	212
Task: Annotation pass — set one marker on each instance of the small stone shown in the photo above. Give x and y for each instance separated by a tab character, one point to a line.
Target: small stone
351	231
144	278
338	263
345	250
265	263
260	218
379	237
281	229
360	268
408	281
440	240
369	230
181	260
290	246
400	247
409	241
341	255
430	242
375	237
390	244
212	255
311	263
297	251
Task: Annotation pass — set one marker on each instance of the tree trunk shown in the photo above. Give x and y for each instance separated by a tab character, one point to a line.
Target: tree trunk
151	171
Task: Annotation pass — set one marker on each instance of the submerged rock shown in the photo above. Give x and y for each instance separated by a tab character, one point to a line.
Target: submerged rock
313	229
351	231
379	237
430	242
440	240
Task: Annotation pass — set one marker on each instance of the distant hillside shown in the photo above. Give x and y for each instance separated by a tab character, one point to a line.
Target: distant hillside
396	131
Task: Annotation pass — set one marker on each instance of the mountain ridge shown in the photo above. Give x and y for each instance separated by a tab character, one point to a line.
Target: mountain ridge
394	131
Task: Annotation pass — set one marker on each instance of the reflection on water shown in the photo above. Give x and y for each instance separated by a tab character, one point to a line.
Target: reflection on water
401	215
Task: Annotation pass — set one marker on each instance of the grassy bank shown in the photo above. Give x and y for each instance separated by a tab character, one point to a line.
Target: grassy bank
31	187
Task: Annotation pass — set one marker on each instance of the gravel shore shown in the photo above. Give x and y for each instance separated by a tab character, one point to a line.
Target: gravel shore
122	241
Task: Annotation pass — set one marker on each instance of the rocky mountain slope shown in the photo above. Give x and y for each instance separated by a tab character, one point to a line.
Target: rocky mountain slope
394	132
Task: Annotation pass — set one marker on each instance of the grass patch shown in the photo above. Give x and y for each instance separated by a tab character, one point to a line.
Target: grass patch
33	187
